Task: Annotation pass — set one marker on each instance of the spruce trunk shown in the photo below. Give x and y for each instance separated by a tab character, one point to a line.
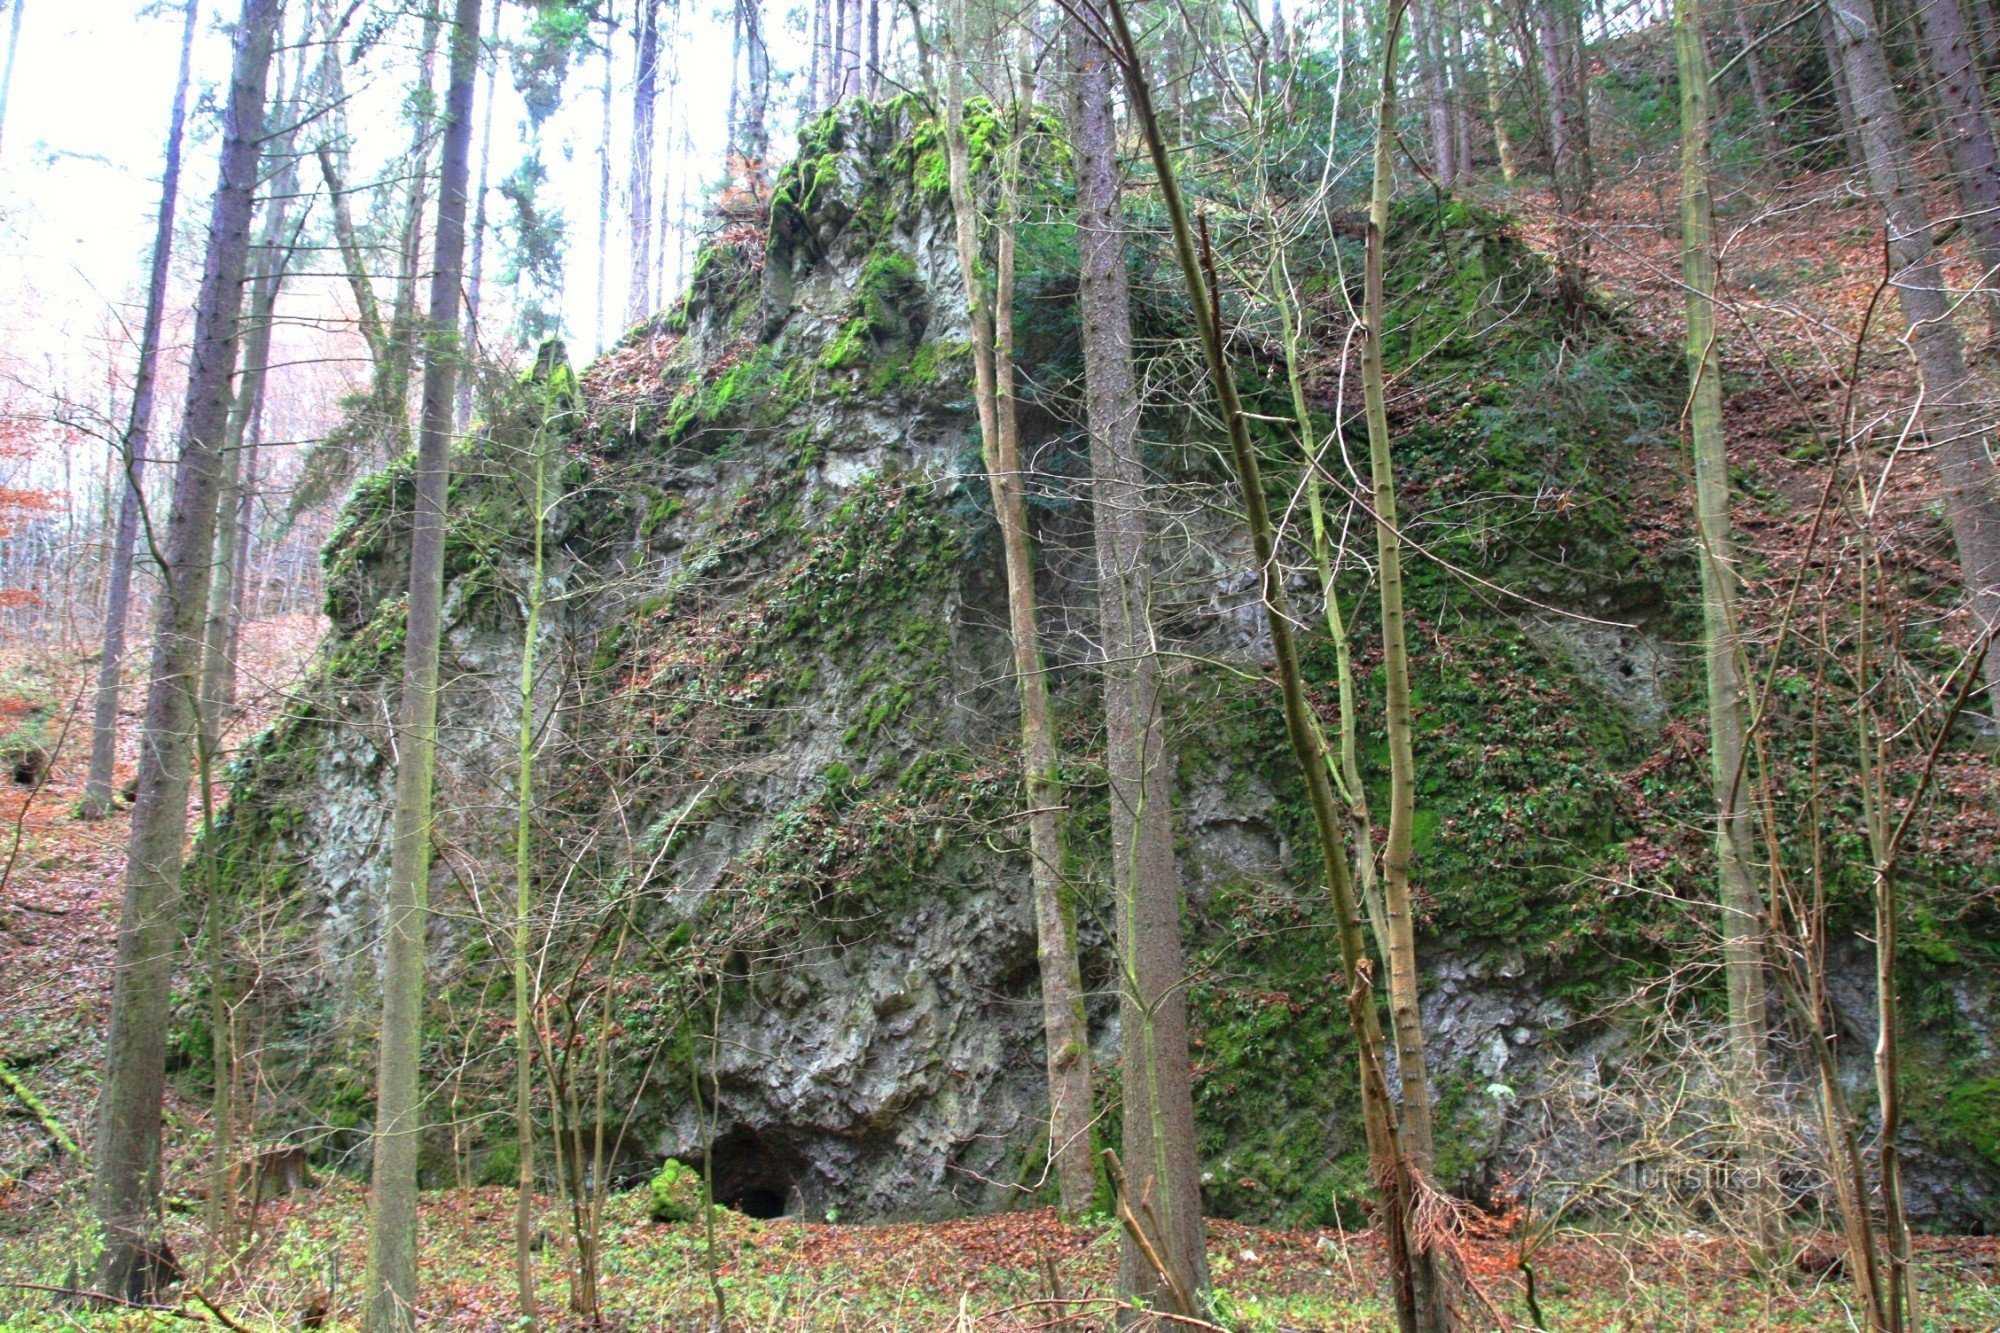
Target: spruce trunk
1950	410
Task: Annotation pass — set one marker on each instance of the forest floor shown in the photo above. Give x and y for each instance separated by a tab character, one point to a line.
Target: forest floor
1802	289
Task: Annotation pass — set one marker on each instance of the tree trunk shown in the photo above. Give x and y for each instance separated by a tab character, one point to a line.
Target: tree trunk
1950	420
597	340
1065	1035
1850	129
273	251
1569	158
645	89
138	439
874	67
1766	124
1737	895
1968	141
1389	1168
126	1193
850	42
524	1022
392	1204
1437	98
754	141
1160	1157
476	281
1416	1150
1496	84
7	72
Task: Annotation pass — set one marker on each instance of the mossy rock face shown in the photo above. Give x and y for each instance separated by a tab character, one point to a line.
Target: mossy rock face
779	730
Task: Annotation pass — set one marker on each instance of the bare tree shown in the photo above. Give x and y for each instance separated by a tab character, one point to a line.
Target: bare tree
138	439
126	1193
392	1205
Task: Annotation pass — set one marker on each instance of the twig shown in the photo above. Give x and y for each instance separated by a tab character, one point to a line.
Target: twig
82	1293
41	781
1121	1192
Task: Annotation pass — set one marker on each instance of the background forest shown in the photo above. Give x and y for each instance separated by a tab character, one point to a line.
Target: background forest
1069	665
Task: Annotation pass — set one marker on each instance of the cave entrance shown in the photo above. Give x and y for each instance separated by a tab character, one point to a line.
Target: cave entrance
754	1175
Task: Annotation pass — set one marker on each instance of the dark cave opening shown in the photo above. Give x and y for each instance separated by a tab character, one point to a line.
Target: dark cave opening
754	1175
760	1203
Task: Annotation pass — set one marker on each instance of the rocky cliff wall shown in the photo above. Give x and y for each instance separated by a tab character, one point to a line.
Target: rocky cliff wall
779	867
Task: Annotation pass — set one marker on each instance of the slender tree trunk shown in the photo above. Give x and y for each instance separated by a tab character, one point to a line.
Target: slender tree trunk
874	63
1417	1151
1496	84
1160	1157
241	605
1567	153
7	72
1968	141
1398	851
1836	73
754	141
138	439
524	900
475	283
850	43
1065	1034
1742	905
392	1205
645	90
273	255
1950	419
1461	84
597	340
1898	1296
368	313
1437	98
1408	1249
1766	124
126	1193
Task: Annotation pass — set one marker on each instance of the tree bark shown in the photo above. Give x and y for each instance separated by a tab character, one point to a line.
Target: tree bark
754	140
1568	165
1850	129
1066	1037
138	439
1437	97
476	282
1496	84
1160	1152
645	90
1737	895
392	1205
1972	502
874	66
126	1192
1968	141
597	340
